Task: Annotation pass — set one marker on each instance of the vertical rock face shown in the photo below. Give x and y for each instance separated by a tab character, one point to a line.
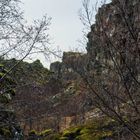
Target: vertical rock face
117	21
114	56
116	35
72	64
56	69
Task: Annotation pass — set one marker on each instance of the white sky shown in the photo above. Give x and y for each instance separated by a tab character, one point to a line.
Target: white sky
66	27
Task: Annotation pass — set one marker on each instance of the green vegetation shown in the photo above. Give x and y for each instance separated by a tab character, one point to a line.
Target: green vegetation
95	130
98	129
35	135
5	132
8	126
6	87
45	132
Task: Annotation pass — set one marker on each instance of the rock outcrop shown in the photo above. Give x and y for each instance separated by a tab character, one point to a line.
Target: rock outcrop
111	66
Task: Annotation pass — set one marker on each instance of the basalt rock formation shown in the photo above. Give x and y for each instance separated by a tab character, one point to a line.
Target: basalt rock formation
110	69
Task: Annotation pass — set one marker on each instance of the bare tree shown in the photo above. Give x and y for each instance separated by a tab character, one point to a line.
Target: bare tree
18	38
86	17
112	72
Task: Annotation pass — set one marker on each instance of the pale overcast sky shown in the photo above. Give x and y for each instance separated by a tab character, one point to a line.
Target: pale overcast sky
66	27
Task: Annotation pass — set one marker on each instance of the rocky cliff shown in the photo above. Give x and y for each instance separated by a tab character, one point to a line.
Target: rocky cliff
110	69
87	87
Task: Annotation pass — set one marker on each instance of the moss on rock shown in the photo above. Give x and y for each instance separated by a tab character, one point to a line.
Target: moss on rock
98	129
